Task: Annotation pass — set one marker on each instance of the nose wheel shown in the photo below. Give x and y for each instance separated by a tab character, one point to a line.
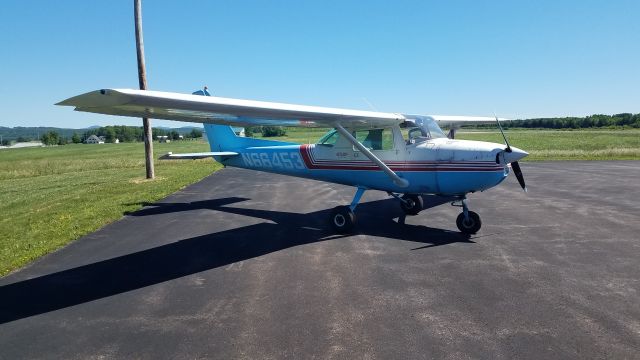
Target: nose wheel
470	225
468	222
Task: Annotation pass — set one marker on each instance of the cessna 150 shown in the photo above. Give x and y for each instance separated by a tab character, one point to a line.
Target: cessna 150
403	155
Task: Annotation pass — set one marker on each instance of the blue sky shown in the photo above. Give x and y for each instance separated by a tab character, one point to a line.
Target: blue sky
518	58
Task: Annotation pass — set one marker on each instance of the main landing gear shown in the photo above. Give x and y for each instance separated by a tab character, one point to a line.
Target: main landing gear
343	218
411	204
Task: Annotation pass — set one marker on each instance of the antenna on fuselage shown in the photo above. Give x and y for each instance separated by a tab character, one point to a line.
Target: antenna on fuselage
508	149
370	105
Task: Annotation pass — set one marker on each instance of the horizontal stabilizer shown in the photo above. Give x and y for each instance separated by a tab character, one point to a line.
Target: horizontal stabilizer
193	156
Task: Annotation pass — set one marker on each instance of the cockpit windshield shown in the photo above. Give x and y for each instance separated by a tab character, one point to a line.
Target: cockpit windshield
421	128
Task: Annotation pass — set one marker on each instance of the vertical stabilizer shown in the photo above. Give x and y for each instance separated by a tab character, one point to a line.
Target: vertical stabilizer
221	137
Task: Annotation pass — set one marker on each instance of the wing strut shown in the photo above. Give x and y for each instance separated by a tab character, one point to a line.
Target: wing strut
396	179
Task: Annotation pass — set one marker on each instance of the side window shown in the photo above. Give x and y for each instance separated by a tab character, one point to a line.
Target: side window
330	138
376	139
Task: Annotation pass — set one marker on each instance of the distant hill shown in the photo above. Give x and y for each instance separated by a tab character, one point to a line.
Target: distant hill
34	133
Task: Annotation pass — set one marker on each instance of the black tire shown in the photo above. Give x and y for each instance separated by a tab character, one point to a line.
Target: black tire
471	226
342	219
412	204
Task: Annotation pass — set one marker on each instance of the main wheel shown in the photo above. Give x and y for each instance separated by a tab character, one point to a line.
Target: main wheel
412	204
470	226
342	219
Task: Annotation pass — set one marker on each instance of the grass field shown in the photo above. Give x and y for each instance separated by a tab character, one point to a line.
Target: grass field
569	145
52	196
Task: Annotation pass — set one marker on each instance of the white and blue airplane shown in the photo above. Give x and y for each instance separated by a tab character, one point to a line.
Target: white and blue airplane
404	155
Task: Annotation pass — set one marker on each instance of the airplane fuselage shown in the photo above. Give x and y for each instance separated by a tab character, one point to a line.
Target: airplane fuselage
436	166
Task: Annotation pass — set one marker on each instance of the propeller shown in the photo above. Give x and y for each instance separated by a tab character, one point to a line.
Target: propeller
518	173
518	154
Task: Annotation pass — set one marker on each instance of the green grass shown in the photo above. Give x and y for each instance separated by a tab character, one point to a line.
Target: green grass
568	145
52	196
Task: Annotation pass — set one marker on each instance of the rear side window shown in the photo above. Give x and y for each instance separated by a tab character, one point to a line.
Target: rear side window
375	139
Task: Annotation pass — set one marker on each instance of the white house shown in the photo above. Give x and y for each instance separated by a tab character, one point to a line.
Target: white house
94	140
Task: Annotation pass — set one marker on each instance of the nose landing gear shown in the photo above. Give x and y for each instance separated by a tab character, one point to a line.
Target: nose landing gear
468	222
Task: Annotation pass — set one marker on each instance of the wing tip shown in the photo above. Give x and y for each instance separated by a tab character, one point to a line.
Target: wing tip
95	98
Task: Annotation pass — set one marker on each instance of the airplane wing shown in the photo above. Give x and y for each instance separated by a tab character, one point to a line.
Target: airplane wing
217	110
193	156
454	120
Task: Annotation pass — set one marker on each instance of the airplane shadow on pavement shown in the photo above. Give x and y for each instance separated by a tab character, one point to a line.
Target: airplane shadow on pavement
193	255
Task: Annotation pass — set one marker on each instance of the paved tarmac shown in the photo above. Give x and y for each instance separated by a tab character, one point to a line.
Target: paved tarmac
243	265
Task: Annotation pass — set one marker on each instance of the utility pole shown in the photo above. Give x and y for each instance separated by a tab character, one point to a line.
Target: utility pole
142	79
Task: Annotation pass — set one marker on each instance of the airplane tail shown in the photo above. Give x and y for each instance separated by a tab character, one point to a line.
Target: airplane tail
224	138
221	137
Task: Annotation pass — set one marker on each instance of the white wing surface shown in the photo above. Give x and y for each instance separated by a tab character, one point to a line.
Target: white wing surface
449	120
217	110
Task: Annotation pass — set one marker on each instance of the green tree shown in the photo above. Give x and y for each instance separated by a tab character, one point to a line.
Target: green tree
269	131
158	132
109	134
174	135
76	138
195	133
50	138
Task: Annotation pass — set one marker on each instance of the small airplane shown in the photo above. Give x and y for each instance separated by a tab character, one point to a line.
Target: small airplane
404	155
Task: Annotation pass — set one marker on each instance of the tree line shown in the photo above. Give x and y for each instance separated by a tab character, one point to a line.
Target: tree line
111	133
624	120
266	131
